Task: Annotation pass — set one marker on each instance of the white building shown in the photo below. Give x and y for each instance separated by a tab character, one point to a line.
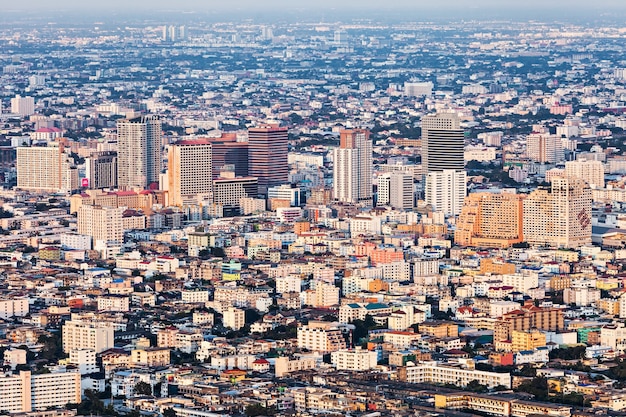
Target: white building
234	318
446	190
113	303
461	376
592	172
17	307
194	296
354	359
23	106
26	392
98	336
84	359
101	223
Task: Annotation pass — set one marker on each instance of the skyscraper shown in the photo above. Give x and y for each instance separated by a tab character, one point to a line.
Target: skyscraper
139	152
190	172
267	156
542	147
101	170
352	167
560	217
443	163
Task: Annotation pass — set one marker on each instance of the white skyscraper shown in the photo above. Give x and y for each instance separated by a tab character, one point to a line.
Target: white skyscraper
443	162
190	172
139	152
445	190
352	167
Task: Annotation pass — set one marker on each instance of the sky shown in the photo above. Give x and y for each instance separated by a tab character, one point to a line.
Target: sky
222	5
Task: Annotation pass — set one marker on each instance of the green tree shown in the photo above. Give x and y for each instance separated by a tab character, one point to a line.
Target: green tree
169	412
142	388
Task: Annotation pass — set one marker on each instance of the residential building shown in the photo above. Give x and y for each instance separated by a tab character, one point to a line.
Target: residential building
490	220
322	337
26	392
190	172
354	359
352	167
592	172
139	152
101	223
45	168
101	170
98	336
560	217
234	318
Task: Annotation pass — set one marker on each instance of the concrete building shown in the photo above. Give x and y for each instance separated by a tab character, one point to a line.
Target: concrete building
17	307
445	190
352	167
543	147
139	152
22	106
592	172
460	375
230	190
234	318
401	190
101	170
84	359
45	168
97	336
322	337
101	223
354	359
560	217
190	172
26	392
285	192
490	220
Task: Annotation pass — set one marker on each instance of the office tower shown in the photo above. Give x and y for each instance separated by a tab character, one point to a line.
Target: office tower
560	217
101	170
101	223
443	143
352	167
230	190
139	152
401	190
23	106
97	336
592	172
443	162
190	172
490	220
543	147
267	153
227	151
45	168
286	192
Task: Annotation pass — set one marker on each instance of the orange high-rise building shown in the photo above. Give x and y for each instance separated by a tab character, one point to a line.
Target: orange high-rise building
490	220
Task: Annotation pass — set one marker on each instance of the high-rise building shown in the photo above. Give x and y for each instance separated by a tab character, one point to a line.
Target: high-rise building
352	167
139	152
190	172
592	172
45	168
443	162
401	190
101	170
560	217
490	220
543	147
23	106
383	185
443	143
101	223
445	190
227	151
267	156
229	192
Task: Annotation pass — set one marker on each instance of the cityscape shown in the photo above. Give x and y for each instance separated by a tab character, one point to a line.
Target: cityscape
358	210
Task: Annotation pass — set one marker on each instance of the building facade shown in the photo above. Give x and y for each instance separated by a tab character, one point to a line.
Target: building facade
352	167
139	152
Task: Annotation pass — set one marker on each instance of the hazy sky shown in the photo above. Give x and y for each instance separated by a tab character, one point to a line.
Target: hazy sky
207	5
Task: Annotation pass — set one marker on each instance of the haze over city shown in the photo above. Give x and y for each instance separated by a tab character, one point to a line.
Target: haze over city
292	209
